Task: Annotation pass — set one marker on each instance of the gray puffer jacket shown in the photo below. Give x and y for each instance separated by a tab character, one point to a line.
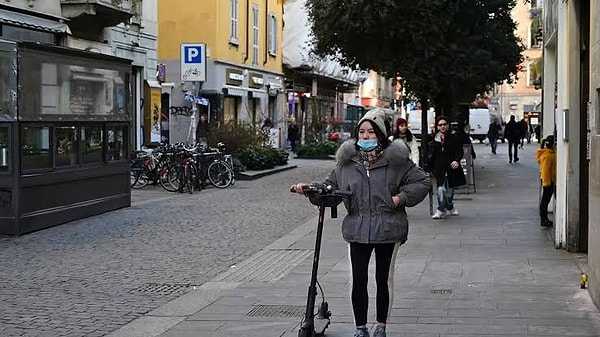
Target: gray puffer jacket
372	217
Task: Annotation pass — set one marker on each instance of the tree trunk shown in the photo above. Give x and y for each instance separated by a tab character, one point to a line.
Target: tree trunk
424	130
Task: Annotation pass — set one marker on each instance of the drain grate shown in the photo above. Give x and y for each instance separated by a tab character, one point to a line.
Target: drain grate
163	289
441	291
277	311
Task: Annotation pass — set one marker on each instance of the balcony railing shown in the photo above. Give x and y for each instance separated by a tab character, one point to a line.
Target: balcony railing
100	13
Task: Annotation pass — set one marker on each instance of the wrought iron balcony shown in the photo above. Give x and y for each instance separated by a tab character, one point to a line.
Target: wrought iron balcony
97	13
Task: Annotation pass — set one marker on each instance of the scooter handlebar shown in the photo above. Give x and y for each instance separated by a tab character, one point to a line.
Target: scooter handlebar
322	189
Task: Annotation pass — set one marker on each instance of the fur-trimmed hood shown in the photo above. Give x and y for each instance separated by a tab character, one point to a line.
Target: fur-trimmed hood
397	153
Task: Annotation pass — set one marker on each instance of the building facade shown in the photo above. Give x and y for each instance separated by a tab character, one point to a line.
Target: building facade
243	63
321	95
571	110
136	40
593	152
523	98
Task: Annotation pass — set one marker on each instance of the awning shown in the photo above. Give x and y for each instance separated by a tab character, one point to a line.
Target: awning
33	22
233	91
261	94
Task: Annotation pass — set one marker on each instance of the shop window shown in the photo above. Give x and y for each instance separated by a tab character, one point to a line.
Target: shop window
117	142
71	89
22	34
6	88
66	153
35	147
93	141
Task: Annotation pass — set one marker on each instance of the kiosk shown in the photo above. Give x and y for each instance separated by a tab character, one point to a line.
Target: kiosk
64	135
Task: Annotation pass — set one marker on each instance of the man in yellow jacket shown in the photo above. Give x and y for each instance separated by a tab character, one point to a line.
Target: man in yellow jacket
546	158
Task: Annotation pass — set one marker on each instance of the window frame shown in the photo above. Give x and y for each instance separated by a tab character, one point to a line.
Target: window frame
531	72
255	34
273	36
234	22
48	168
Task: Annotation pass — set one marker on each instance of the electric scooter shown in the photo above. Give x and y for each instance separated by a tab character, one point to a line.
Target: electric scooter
324	197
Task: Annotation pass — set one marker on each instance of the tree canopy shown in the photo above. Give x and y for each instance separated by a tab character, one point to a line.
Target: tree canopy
446	50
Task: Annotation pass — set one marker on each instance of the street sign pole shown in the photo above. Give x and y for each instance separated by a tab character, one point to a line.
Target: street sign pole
193	69
193	117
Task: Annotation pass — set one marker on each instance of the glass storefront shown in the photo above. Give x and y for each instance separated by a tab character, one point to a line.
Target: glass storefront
64	129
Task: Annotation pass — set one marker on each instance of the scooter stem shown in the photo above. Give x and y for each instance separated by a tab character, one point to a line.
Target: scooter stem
308	327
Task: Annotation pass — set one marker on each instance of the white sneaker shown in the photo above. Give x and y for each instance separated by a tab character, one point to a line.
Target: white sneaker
438	214
453	211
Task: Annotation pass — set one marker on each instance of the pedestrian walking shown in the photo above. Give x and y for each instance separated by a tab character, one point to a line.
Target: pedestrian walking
538	132
458	130
546	158
388	125
202	131
403	132
444	161
512	132
524	127
383	182
493	136
293	134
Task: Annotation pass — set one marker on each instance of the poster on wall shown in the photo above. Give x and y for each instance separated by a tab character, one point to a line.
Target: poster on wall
155	98
152	112
274	138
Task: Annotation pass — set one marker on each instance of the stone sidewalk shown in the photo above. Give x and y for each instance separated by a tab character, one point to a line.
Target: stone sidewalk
491	271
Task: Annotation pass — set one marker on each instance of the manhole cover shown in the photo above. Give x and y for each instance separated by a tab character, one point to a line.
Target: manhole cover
441	291
277	311
163	289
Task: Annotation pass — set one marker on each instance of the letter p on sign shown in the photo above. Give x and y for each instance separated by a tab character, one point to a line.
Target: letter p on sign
193	55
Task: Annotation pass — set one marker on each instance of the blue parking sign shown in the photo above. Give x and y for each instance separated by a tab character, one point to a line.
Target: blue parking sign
192	54
193	62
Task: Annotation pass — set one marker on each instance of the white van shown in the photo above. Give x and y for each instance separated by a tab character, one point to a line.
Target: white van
414	121
479	123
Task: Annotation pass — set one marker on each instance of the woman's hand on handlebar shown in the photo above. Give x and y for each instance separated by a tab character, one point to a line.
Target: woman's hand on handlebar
299	188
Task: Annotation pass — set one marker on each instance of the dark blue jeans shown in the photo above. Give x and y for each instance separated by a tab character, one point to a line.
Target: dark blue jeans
445	196
494	144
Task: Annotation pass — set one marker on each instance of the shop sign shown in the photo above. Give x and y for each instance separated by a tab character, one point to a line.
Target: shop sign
256	80
234	76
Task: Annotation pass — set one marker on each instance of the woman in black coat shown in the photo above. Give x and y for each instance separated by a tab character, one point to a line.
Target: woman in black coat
446	152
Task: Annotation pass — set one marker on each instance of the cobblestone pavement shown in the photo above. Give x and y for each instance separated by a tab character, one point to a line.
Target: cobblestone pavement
89	277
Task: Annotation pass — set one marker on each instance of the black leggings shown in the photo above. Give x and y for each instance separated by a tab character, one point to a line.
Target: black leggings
547	192
385	256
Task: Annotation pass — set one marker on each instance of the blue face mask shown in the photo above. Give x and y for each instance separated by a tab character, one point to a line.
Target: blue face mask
367	145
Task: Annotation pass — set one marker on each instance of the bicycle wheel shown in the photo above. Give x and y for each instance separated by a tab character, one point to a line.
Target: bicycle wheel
220	174
169	179
189	178
229	160
137	178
